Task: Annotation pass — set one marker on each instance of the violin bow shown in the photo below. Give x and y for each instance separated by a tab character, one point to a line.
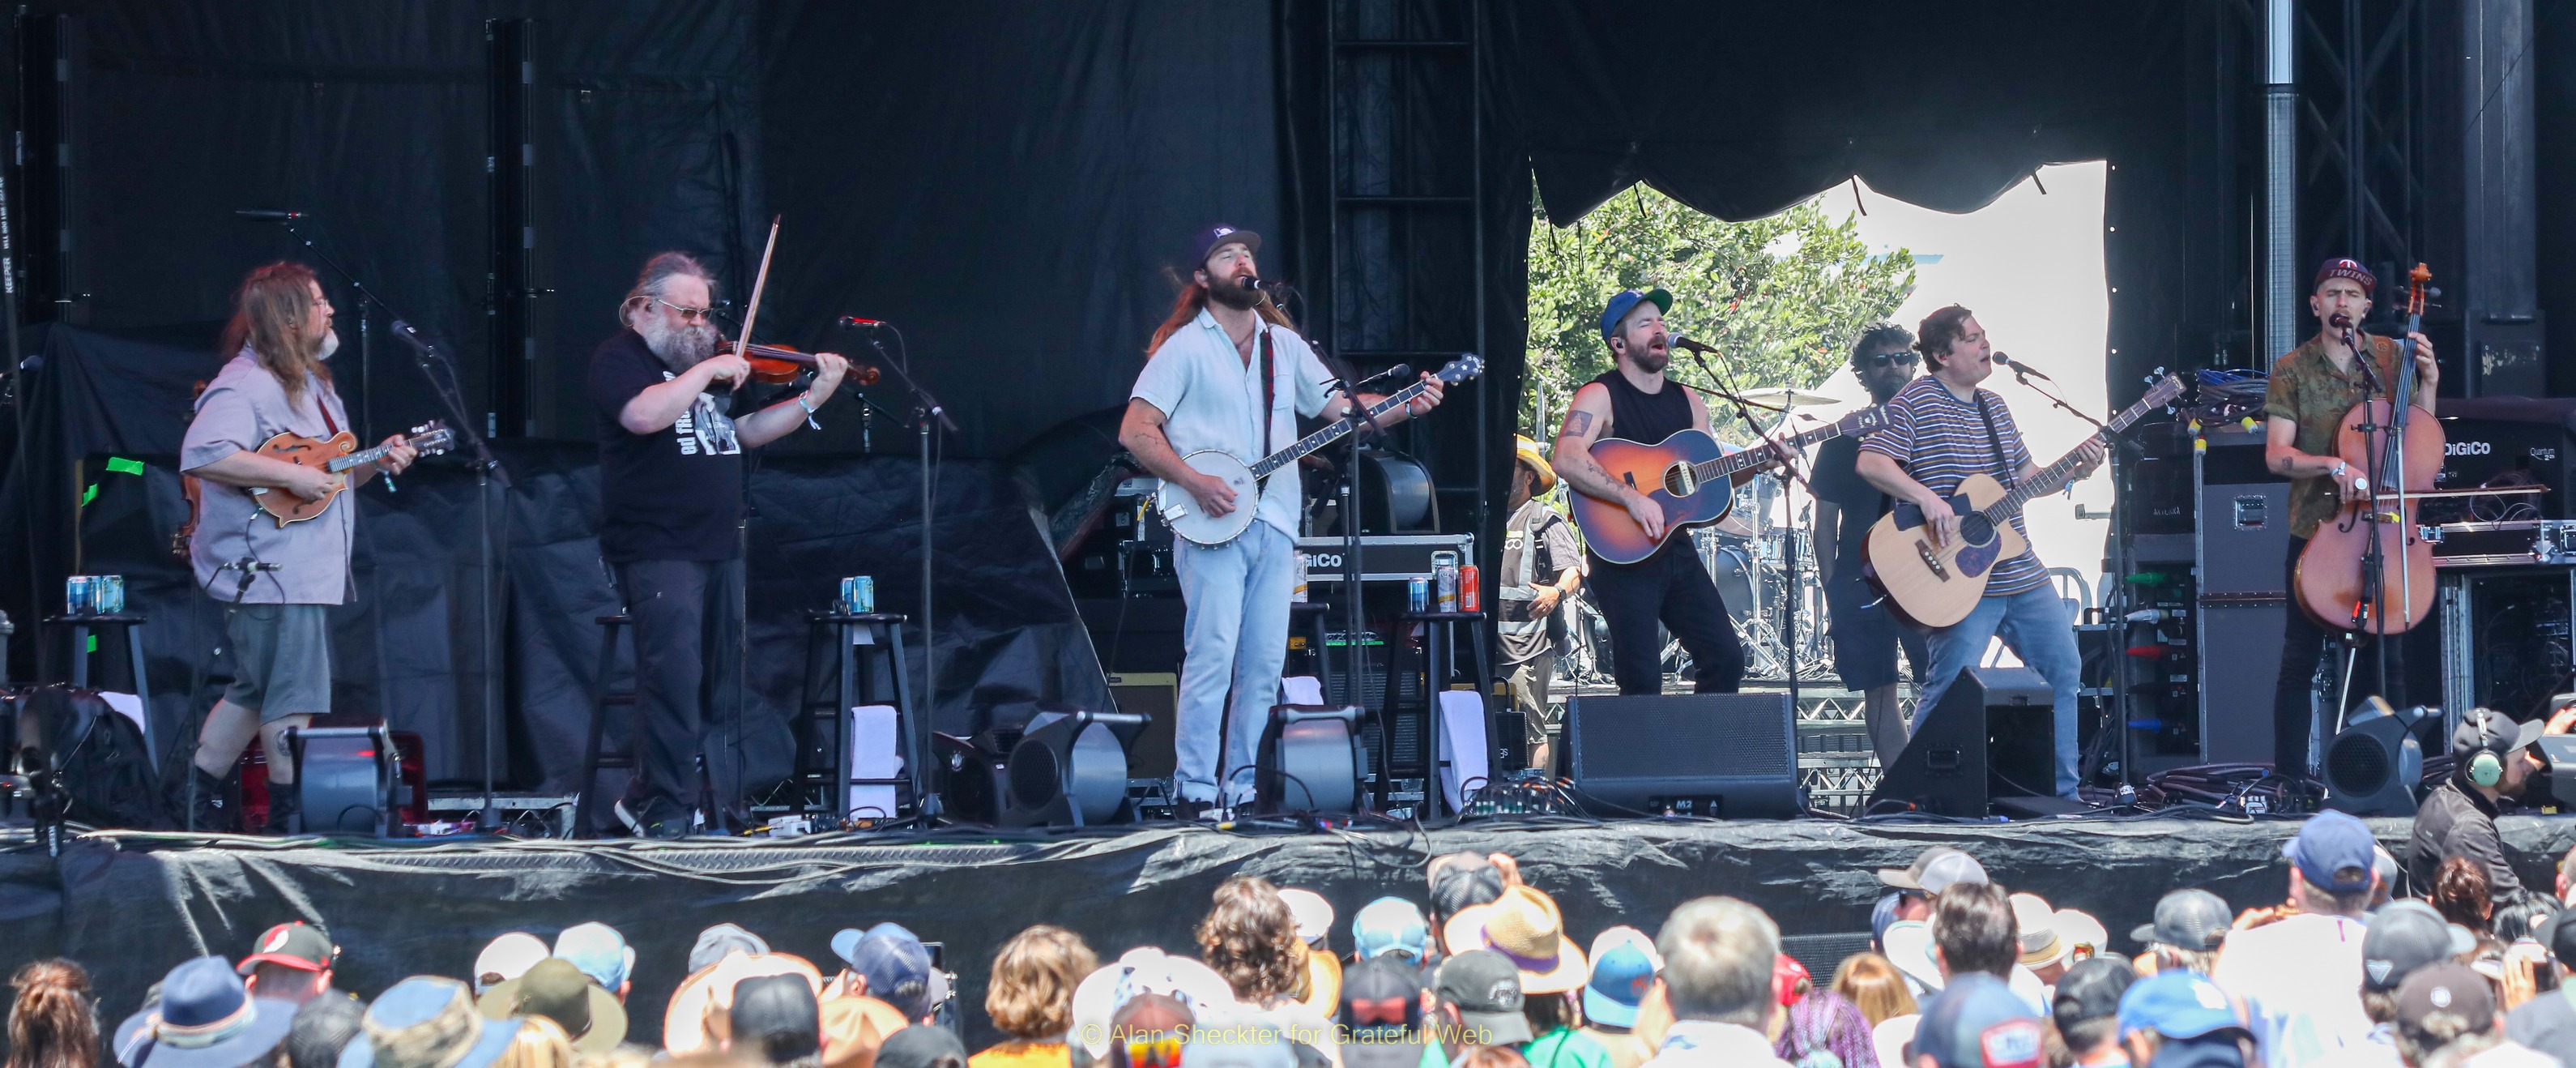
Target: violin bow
759	282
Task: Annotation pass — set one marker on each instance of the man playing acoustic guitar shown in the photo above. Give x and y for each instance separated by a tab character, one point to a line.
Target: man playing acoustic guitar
275	621
1942	428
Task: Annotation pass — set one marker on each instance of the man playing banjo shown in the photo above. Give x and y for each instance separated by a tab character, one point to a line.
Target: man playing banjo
1227	371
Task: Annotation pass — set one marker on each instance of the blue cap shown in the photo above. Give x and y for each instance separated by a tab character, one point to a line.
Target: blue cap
1618	985
1978	1022
2176	1004
1626	302
599	951
1206	241
1881	916
893	961
1390	925
2330	842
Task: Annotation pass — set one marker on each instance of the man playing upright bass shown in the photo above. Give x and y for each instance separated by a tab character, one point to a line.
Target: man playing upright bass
1941	428
1227	371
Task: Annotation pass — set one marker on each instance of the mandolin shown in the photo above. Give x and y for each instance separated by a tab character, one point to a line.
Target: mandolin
338	455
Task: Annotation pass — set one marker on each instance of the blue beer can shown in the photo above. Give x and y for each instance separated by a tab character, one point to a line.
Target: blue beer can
78	600
859	595
1417	593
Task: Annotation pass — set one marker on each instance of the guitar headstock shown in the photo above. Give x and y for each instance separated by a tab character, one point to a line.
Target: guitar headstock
431	438
1863	421
1466	366
2162	393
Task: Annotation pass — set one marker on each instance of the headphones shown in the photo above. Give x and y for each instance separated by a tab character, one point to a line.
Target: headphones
2486	768
2485	765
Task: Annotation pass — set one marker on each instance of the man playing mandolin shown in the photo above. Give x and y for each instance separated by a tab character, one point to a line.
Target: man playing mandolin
670	523
1942	428
2311	389
1227	371
275	619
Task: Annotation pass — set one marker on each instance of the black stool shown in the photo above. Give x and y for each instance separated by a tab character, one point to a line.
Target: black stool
831	705
1313	615
1439	640
592	757
125	623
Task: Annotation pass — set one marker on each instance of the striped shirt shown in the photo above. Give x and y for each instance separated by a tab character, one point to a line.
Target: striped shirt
1941	440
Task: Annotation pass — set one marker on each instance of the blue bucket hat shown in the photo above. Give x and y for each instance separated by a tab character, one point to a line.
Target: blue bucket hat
1626	302
206	1019
428	1022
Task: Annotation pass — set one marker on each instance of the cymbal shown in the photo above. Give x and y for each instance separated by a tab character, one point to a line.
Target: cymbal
1784	397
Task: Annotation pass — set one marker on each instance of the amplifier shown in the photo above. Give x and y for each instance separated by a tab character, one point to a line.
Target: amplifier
2506	441
1383	557
1722	756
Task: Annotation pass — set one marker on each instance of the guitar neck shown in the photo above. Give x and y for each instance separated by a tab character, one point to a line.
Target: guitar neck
366	456
2054	477
1761	453
1330	434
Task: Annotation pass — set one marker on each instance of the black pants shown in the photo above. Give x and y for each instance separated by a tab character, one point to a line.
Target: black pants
1671	587
688	677
2305	647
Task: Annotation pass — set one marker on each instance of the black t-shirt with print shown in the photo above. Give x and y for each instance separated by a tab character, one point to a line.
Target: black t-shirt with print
676	493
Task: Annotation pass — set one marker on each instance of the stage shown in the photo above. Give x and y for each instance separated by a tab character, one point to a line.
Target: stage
128	905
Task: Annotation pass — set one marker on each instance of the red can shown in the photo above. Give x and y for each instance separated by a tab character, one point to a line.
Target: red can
1471	592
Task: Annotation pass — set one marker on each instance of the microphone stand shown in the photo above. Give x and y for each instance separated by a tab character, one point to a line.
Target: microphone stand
1788	552
1354	615
927	414
440	371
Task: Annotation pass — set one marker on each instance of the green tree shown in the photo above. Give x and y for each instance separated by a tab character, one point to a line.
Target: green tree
1783	297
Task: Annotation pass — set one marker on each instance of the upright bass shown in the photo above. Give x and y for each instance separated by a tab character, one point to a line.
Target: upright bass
2397	444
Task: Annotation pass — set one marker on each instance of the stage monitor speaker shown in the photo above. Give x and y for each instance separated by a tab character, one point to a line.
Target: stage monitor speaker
1994	732
344	779
1069	770
1720	755
1155	695
1310	761
2372	766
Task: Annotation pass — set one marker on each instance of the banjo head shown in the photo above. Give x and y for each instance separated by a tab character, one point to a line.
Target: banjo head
1181	511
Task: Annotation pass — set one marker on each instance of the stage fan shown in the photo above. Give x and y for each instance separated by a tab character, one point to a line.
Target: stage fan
2373	764
1069	769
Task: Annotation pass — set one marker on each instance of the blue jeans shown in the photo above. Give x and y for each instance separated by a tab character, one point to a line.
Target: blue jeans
2034	625
1235	639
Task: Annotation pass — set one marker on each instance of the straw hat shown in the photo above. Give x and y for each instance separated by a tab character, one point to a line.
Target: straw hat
2041	945
1525	927
697	1020
1526	451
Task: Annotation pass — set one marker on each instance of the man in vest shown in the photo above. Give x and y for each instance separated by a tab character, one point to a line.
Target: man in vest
1542	567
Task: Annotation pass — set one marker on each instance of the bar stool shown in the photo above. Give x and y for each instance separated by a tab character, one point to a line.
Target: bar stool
125	624
855	684
1312	615
603	696
1439	640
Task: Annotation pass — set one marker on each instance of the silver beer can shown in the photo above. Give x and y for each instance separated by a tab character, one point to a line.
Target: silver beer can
859	594
111	594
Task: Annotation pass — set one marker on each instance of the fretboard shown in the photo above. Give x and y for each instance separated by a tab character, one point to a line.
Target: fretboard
362	456
1330	434
2053	477
1760	453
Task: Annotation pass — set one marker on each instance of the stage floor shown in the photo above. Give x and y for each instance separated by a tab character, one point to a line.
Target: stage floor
129	905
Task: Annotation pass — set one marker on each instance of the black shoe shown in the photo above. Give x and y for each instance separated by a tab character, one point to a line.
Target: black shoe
284	803
216	809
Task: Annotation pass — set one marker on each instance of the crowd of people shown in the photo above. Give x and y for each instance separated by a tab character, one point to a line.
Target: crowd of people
1480	972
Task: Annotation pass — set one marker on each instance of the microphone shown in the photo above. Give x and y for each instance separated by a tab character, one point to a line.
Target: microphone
1679	341
855	322
246	564
1397	373
1264	285
2020	368
2340	321
267	214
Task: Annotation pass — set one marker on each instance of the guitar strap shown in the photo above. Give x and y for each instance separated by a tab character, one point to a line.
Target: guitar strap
1269	403
313	386
2003	465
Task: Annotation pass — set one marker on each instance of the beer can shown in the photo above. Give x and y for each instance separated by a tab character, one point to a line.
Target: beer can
1445	577
1417	594
1297	593
1471	596
76	596
111	595
859	595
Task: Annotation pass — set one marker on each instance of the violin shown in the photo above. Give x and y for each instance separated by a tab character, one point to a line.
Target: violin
778	364
2339	583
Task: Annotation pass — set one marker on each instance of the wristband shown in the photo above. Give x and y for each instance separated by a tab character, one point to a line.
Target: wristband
809	411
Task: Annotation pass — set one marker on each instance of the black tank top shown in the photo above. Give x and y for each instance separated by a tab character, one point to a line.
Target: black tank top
1641	416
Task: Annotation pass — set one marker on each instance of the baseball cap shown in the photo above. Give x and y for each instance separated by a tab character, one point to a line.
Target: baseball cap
2486	728
1461	881
1934	870
1980	1023
895	964
714	942
1390	925
1621	974
2176	1004
1206	241
1882	916
1381	1016
2091	991
508	957
295	944
2331	842
1626	301
1313	914
2196	920
2444	988
599	951
2400	941
921	1046
593	1018
2346	267
1486	988
777	1017
2558	932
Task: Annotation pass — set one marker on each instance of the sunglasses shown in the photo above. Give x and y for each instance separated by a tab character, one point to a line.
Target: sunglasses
687	315
1159	1052
1381	1012
1901	359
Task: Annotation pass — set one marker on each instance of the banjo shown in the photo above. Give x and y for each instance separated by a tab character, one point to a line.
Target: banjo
1181	511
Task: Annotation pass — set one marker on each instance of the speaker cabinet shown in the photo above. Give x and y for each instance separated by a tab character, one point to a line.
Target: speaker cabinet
1155	695
2371	768
1994	733
1728	756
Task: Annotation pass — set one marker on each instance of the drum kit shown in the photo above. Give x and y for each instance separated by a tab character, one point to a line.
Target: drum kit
1774	618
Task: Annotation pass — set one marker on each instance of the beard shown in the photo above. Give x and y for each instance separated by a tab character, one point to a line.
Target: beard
682	348
1651	361
1232	294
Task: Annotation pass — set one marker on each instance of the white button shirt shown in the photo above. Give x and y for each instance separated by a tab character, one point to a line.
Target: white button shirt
1210	397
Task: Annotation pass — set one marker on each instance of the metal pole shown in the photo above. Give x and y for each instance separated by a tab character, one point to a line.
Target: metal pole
2276	317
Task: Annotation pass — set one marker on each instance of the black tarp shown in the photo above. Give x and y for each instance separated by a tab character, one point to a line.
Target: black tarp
129	915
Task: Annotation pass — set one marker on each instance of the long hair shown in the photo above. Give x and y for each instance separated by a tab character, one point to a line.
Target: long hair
655	280
1250	938
268	316
1030	996
1193	297
2460	894
53	1022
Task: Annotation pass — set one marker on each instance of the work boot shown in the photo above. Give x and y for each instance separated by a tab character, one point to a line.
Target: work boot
217	809
283	805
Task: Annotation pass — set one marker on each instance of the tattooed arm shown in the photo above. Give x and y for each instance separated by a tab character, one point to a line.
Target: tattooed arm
1586	422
